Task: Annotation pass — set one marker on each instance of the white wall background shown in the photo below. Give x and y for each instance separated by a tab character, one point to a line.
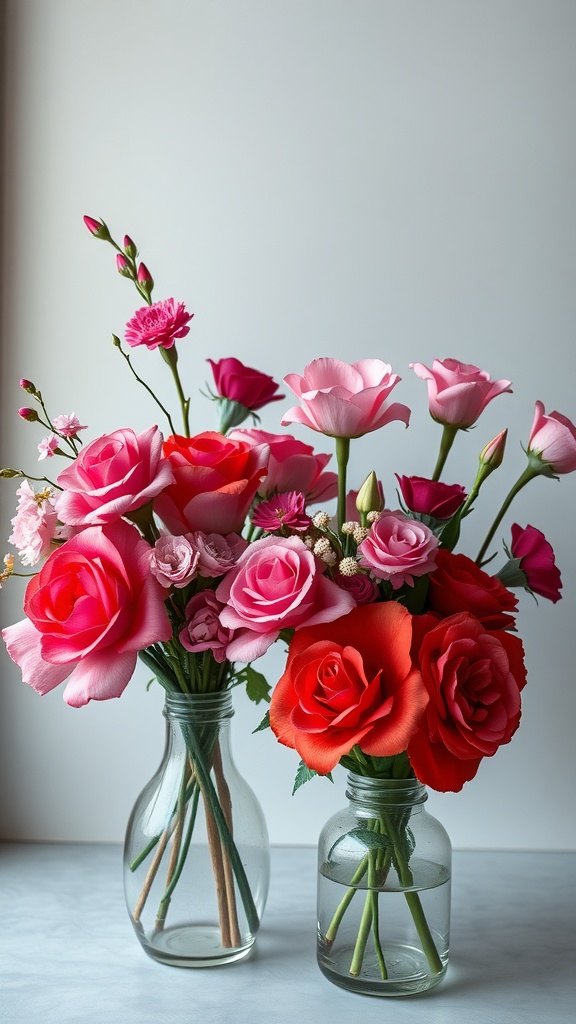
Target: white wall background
390	178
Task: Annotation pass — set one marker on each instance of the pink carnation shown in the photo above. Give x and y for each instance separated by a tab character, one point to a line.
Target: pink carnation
203	630
398	548
283	510
173	561
34	524
158	325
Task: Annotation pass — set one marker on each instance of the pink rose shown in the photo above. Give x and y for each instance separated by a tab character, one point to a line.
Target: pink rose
344	400
277	584
158	325
216	554
553	440
293	466
35	524
215	480
537	563
92	607
112	476
363	589
458	392
242	384
203	630
173	561
431	497
398	548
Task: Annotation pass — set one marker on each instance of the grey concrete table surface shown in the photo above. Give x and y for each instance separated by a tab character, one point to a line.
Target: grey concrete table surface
68	954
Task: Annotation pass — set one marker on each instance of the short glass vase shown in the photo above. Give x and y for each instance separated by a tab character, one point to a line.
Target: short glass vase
196	854
384	874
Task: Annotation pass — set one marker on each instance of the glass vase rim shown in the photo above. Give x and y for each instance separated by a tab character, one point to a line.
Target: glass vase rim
408	790
214	703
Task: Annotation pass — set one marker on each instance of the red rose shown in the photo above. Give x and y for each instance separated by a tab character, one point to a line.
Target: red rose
347	682
473	678
251	388
459	585
431	497
215	482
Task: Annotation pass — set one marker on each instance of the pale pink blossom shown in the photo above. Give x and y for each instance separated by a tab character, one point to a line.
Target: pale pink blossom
92	607
47	447
35	524
68	425
204	630
553	440
216	554
173	561
112	476
283	510
458	392
158	325
293	466
277	584
398	549
344	399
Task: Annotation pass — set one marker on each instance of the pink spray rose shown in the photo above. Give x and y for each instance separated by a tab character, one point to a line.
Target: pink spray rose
215	480
216	554
34	524
277	584
242	384
431	497
536	561
173	561
112	476
553	440
293	466
203	630
158	325
458	392
47	447
398	549
90	609
68	425
344	400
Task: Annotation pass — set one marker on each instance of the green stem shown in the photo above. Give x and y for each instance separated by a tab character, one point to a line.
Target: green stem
448	434
529	473
362	937
184	402
375	916
342	456
143	383
346	900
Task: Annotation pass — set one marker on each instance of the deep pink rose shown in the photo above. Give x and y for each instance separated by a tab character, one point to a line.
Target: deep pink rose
458	392
363	589
431	497
398	548
242	384
345	400
473	678
113	475
293	466
215	480
203	630
277	584
216	554
553	440
158	325
536	561
92	607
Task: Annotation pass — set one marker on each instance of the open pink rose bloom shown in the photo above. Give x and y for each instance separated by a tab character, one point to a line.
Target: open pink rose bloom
458	392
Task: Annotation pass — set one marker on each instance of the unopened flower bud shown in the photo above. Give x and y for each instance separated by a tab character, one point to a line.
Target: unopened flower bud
129	246
9	474
492	455
348	527
30	415
122	265
97	228
370	497
322	546
321	520
360	533
373	517
348	567
144	275
28	386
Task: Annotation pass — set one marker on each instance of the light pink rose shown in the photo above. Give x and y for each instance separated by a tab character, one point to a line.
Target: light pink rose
277	584
158	325
35	524
345	400
458	392
553	440
113	475
216	554
92	607
398	548
203	630
173	561
293	466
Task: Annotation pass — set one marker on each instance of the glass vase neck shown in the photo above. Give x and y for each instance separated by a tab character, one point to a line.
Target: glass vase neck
366	791
199	707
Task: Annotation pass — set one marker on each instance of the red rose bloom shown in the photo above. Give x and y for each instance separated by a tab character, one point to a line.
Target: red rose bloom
431	497
347	682
251	388
473	678
459	585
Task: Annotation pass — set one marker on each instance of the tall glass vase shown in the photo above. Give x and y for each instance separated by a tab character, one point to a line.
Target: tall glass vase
384	868
196	854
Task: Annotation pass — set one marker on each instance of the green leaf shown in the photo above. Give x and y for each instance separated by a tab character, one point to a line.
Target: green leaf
304	774
257	688
264	724
371	840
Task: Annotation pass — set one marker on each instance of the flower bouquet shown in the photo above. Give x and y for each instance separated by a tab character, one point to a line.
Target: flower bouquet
197	553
